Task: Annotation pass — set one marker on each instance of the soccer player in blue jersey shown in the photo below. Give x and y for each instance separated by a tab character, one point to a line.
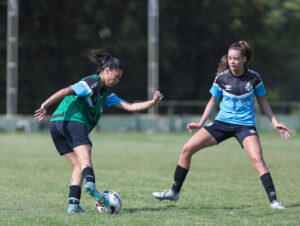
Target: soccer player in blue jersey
78	113
237	85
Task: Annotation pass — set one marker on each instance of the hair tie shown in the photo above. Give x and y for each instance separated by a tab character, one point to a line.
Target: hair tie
242	43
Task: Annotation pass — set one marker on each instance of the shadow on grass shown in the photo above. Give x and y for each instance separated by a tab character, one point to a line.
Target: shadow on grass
293	205
149	209
166	208
170	206
215	208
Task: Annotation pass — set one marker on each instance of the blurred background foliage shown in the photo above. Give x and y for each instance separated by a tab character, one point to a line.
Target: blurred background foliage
56	38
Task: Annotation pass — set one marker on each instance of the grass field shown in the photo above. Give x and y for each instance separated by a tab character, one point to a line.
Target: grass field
221	188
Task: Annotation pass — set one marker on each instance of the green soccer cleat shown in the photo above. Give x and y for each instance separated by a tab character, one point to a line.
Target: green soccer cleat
90	188
75	208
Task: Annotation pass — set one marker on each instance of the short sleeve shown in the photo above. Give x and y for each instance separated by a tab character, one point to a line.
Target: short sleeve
259	90
82	89
112	99
215	91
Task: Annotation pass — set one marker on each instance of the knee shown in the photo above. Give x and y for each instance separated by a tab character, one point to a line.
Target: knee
187	150
257	162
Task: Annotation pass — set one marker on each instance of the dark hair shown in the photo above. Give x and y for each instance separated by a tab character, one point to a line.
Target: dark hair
104	60
245	49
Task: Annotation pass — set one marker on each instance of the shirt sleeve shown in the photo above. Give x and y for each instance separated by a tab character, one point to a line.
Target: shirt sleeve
82	89
215	90
259	90
112	99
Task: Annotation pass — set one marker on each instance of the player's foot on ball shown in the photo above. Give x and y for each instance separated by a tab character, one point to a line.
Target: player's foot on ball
90	188
166	195
277	205
75	208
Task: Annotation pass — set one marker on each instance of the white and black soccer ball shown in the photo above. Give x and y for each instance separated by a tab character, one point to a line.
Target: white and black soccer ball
115	203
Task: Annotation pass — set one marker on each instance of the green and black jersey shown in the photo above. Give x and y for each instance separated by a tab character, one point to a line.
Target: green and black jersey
86	106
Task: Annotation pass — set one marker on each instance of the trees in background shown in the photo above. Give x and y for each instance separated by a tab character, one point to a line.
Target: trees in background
56	38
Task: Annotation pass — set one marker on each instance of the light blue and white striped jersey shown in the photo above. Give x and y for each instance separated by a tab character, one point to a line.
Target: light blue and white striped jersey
237	105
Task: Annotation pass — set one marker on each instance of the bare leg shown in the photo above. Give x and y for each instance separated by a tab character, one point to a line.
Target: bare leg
254	151
76	178
253	148
198	141
75	185
83	154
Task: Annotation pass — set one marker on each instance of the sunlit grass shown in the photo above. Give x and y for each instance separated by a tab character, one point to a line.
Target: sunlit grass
221	188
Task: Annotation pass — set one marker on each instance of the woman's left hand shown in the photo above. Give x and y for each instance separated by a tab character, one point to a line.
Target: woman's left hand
157	97
40	113
283	130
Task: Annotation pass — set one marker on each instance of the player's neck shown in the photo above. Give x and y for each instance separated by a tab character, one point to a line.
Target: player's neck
102	83
238	73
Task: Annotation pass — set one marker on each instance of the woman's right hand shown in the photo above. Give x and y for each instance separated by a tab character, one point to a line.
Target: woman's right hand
193	125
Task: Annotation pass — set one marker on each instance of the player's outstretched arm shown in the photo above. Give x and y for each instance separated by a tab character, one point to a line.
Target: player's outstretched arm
41	112
141	105
282	129
207	112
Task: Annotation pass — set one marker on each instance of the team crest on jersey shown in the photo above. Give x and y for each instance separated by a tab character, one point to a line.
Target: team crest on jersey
248	86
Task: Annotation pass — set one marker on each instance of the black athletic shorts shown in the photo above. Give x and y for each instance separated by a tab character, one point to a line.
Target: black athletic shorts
222	131
67	135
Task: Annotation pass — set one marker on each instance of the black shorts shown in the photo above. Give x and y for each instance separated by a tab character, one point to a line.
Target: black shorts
67	135
222	131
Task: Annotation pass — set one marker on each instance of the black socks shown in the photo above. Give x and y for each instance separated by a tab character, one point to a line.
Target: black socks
179	177
267	182
75	190
88	174
74	195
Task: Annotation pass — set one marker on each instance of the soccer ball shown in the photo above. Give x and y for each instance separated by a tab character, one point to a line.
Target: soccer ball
115	203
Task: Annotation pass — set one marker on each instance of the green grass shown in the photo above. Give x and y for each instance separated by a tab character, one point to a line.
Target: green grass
221	188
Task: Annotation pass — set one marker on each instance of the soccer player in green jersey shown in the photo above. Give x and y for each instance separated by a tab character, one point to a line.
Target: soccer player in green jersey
78	113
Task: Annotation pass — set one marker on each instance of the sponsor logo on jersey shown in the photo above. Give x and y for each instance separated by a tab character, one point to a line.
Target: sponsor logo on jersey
94	85
58	115
248	86
237	104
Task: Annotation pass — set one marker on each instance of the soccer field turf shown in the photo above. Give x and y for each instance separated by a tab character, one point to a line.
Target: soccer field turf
221	188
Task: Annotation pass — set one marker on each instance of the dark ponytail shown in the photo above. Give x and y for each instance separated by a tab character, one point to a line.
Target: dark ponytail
245	49
104	60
